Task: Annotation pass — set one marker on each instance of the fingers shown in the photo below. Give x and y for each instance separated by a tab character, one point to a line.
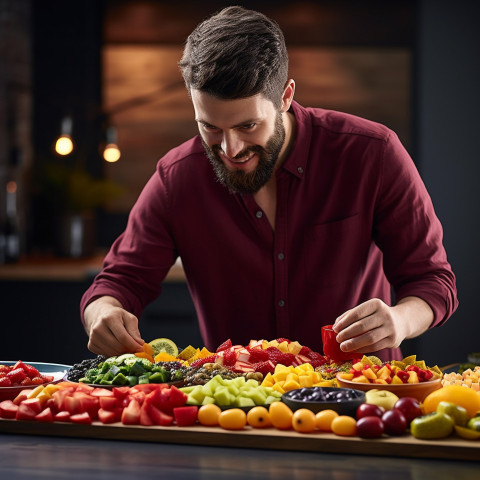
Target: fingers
366	328
115	333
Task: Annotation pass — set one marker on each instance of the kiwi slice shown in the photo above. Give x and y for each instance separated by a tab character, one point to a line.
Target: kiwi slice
164	345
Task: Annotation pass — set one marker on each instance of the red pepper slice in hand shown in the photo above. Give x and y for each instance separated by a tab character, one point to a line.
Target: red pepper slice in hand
331	348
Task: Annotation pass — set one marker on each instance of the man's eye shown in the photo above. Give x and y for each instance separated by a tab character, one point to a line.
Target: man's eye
248	126
208	127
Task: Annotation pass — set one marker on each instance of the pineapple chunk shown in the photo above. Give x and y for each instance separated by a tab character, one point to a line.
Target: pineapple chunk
380	381
269	378
358	366
294	347
325	383
413	377
396	380
280	376
361	379
370	374
366	361
290	385
278	388
305	381
283	347
346	376
383	373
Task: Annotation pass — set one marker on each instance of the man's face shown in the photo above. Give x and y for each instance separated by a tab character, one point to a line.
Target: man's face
242	138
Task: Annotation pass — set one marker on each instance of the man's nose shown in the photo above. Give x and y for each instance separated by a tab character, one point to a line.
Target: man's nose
231	144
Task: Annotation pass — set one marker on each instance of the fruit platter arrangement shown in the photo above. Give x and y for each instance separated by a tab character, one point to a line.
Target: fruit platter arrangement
266	386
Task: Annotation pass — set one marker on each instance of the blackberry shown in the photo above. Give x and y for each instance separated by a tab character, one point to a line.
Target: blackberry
79	369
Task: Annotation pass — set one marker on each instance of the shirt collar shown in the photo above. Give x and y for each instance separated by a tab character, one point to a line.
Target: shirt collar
296	162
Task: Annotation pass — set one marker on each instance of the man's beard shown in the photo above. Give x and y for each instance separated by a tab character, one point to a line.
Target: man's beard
238	181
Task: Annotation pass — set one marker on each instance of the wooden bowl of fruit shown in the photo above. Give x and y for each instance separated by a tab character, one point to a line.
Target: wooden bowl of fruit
406	378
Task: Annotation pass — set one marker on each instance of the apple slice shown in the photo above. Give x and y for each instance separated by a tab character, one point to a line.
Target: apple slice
243	367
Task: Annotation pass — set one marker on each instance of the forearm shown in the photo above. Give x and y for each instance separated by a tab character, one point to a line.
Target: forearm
415	314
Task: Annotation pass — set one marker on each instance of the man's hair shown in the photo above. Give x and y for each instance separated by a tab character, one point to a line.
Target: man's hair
236	53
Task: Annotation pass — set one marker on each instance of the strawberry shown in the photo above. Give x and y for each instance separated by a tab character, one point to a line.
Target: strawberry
264	367
17	375
37	381
280	340
286	359
229	358
317	358
5	382
202	361
224	346
30	371
273	353
258	355
305	351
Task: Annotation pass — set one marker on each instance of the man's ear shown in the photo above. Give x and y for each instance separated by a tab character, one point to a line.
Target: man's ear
288	94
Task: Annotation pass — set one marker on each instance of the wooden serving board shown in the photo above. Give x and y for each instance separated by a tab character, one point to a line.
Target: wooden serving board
406	446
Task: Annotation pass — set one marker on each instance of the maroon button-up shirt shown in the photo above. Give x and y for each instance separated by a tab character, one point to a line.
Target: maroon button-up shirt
353	220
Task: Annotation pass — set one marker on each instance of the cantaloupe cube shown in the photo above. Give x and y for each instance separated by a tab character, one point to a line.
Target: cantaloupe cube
267	383
292	377
476	387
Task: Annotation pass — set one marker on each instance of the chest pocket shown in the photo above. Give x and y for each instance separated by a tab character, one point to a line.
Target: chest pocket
335	251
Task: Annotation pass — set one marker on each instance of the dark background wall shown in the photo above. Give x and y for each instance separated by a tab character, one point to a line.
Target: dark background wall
42	317
447	106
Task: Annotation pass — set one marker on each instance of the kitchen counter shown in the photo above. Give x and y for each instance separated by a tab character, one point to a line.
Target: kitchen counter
41	268
31	457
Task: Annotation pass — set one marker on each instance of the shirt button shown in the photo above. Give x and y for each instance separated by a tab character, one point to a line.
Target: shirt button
281	303
300	170
280	256
259	214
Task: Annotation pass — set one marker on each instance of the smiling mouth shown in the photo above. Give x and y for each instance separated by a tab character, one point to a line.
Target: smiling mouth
240	161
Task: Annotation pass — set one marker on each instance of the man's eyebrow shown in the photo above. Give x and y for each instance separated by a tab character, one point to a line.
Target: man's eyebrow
241	124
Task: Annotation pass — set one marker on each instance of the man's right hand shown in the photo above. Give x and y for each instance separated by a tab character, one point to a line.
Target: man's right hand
110	328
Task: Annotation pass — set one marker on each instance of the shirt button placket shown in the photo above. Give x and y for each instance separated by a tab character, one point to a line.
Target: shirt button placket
281	261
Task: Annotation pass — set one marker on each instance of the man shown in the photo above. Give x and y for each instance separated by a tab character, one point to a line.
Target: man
286	218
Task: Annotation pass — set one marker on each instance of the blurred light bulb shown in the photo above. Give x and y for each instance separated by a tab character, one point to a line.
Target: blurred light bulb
64	145
111	153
